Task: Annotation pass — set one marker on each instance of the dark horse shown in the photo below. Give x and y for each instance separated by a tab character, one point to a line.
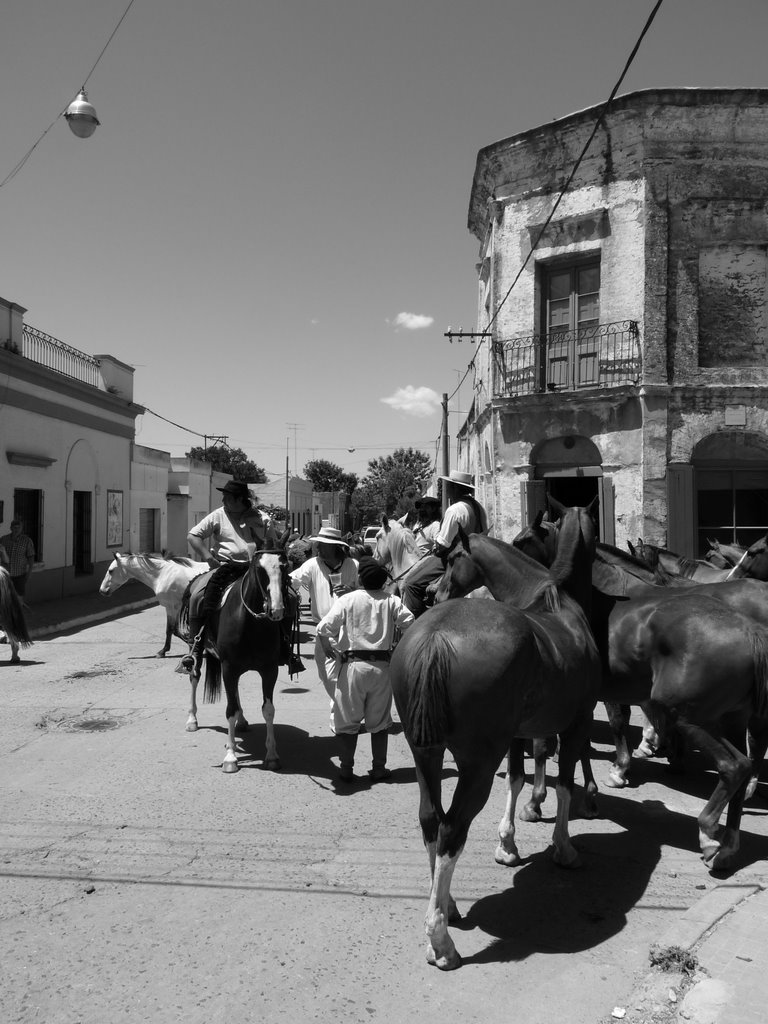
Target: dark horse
696	658
476	678
246	635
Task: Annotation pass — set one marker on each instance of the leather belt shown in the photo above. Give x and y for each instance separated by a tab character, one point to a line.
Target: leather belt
366	656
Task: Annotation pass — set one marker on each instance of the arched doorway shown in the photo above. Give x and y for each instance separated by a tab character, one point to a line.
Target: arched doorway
569	468
731	489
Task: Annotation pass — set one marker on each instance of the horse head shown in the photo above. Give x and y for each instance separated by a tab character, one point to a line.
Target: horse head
462	573
538	540
115	575
753	563
268	571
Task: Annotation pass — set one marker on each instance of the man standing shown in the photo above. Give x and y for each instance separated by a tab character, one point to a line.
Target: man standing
21	556
463	511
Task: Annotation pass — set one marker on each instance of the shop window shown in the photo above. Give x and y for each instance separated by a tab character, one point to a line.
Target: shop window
732	506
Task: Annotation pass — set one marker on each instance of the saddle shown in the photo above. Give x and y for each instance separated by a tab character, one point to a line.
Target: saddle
205	594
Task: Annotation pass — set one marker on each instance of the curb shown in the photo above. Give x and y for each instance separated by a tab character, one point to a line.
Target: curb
658	995
40	632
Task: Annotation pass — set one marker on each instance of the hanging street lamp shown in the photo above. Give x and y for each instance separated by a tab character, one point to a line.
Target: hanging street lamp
81	116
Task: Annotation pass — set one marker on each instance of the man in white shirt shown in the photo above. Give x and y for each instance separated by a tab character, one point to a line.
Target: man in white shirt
463	510
426	529
359	632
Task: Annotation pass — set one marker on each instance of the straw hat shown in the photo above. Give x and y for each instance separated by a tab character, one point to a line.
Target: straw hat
462	479
329	535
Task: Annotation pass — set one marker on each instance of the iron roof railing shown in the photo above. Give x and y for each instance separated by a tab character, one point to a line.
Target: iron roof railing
56	355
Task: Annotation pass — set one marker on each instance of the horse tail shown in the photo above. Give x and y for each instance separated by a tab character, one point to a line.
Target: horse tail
760	660
12	612
212	689
429	671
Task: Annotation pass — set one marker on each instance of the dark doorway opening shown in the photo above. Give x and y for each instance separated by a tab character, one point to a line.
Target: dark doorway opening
576	491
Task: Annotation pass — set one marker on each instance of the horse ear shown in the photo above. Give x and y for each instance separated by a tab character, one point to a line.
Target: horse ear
555	505
593	505
538	520
283	539
384	520
463	538
632	551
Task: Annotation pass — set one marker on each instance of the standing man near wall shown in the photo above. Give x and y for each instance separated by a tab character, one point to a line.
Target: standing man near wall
21	556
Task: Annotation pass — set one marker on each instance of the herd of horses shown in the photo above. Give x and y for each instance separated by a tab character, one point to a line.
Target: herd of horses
565	622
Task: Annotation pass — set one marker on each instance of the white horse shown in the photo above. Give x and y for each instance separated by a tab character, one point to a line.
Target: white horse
396	548
167	577
12	616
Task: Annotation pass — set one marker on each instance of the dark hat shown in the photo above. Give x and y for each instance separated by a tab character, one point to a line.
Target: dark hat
236	488
426	499
372	575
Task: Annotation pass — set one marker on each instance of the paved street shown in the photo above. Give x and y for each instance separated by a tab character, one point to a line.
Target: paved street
140	883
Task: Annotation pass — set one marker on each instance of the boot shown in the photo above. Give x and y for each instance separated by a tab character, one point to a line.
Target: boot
348	744
379	743
196	630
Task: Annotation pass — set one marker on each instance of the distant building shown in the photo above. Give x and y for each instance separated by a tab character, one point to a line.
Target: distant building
629	362
67	423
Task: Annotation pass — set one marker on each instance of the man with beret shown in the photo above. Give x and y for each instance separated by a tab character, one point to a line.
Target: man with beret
463	511
360	631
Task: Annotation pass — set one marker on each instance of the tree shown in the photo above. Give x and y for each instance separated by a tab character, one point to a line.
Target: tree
230	460
327	476
392	485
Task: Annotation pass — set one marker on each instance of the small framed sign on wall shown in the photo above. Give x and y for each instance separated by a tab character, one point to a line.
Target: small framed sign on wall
114	519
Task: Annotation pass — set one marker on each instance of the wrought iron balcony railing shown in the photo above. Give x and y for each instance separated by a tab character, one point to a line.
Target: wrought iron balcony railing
56	355
601	355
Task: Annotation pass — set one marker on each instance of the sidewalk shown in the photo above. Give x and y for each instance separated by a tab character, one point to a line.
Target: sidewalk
49	617
709	966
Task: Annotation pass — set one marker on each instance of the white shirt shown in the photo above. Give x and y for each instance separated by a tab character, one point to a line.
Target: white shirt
426	536
315	576
364	620
460	513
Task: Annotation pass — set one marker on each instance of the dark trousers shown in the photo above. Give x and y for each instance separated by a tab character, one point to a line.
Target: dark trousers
414	589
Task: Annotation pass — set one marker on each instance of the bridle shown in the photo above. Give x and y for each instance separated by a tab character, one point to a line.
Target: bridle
263	593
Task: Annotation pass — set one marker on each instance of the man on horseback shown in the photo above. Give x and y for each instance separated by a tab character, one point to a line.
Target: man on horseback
463	511
428	525
225	539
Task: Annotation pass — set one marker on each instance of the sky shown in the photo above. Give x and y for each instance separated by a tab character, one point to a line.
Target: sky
270	223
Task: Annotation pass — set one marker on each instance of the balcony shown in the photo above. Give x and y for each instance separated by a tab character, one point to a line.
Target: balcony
47	351
598	356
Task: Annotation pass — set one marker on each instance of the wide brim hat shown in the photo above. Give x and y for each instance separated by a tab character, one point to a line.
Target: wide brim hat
426	499
462	479
236	488
329	535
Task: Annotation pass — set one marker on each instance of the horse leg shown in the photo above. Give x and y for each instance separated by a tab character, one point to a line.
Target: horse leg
194	679
649	744
268	680
470	796
428	762
168	634
15	659
757	744
507	852
232	686
572	745
589	807
542	749
719	845
618	719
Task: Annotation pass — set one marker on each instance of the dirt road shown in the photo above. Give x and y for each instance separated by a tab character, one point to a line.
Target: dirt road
140	883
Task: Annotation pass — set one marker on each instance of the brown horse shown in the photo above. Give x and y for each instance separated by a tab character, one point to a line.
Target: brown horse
475	678
12	616
697	659
245	636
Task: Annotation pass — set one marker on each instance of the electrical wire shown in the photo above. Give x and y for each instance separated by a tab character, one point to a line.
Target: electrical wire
571	176
30	151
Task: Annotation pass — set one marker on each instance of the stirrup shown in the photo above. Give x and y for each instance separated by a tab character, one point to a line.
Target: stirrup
295	665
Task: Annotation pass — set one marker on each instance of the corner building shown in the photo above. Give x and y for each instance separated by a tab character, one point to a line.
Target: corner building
629	361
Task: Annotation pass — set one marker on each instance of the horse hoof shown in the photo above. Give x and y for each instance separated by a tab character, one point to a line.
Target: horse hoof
506	858
567	859
645	750
273	765
242	726
230	765
615	781
448	962
160	654
192	725
529	813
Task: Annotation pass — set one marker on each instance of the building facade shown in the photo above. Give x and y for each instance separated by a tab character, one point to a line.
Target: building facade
624	354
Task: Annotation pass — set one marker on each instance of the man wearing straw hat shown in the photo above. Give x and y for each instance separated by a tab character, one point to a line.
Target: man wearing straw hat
463	511
326	576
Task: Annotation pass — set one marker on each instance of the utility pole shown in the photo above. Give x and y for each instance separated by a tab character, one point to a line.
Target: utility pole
446	452
294	427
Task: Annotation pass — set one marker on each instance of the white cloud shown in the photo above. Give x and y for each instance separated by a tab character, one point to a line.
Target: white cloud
412	321
420	402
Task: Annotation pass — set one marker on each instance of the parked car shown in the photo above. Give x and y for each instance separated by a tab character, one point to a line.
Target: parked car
369	535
